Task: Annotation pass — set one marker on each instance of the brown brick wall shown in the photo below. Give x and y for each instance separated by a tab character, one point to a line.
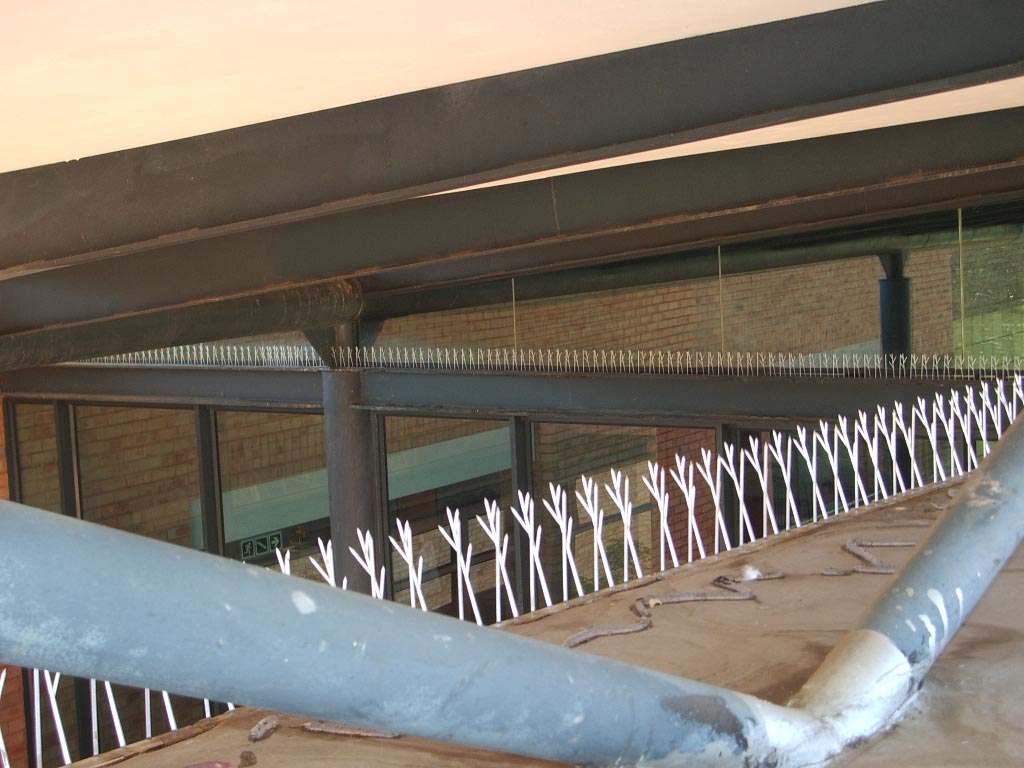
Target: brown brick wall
37	455
260	447
810	308
139	470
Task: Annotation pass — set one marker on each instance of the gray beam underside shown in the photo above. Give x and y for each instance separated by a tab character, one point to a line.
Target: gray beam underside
595	217
443	138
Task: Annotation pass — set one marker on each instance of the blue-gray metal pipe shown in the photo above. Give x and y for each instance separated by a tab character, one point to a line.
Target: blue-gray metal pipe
92	601
875	670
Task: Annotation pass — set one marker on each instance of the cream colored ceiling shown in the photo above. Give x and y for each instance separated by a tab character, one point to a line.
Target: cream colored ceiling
82	78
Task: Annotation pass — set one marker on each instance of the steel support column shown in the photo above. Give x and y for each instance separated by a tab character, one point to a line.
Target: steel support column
895	306
351	469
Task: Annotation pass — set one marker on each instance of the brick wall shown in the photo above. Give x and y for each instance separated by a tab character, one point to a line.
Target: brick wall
811	308
12	709
259	447
139	471
37	455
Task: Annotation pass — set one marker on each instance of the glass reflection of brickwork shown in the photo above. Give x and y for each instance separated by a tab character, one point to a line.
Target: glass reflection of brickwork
139	471
825	307
273	484
433	465
564	452
37	456
993	297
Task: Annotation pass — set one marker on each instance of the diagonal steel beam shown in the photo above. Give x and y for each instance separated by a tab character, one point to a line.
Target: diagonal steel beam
307	306
443	138
668	206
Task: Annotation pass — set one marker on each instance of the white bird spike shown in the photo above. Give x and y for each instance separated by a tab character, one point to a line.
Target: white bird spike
326	570
683	477
526	518
851	445
908	431
931	428
115	716
810	457
37	719
619	493
870	439
52	681
284	560
736	474
558	508
463	563
785	461
492	529
454	539
947	417
758	456
589	501
4	760
655	482
403	547
169	711
993	409
831	449
713	479
887	428
1004	401
963	418
94	717
366	560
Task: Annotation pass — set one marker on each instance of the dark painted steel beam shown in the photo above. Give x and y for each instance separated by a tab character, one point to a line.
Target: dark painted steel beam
497	127
288	309
645	398
605	215
261	388
639	398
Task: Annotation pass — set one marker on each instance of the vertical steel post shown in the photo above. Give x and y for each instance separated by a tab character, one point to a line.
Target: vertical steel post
351	467
208	462
895	307
522	481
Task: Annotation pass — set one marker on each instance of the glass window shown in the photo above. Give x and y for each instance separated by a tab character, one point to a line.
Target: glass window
563	453
991	285
36	429
273	485
436	464
485	327
139	471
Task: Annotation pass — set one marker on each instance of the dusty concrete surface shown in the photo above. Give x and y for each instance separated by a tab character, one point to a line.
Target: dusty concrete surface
968	713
